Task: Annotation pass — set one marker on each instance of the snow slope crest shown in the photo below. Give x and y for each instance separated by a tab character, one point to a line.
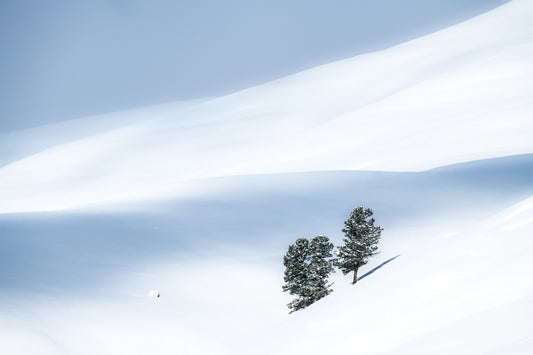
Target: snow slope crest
460	94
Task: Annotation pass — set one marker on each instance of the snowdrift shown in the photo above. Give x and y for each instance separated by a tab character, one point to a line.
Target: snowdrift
460	94
199	201
460	286
462	232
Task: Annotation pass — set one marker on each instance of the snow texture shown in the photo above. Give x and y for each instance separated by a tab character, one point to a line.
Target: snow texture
457	95
201	199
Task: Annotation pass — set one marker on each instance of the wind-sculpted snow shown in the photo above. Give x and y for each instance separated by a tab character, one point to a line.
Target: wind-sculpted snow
197	202
456	282
185	51
460	94
266	211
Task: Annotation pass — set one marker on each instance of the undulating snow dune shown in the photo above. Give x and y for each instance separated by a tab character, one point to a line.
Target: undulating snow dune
460	94
253	211
460	285
78	282
199	200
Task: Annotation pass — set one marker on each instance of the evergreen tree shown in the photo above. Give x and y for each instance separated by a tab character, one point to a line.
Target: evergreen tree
307	268
360	243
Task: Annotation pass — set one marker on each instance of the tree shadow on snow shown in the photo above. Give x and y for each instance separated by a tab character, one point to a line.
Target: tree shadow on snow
376	268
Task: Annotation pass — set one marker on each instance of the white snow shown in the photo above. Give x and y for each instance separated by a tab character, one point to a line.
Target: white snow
153	293
169	209
466	293
460	94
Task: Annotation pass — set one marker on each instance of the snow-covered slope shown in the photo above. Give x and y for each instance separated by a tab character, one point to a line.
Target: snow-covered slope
461	94
170	199
467	292
459	286
264	211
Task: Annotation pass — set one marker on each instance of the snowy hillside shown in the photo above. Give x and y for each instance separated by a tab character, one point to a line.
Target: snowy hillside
196	202
460	94
79	282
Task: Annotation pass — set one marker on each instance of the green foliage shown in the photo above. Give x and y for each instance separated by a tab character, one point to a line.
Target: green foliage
308	263
360	242
307	268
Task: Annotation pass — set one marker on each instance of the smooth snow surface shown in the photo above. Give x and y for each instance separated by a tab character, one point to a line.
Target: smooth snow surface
198	202
460	94
460	286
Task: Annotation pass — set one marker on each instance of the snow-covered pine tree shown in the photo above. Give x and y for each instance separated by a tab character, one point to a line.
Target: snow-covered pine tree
360	243
296	272
321	265
307	268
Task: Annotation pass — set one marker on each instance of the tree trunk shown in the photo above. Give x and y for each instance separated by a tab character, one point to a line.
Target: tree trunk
355	276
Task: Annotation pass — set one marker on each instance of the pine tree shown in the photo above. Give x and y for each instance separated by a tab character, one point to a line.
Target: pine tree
308	265
360	243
